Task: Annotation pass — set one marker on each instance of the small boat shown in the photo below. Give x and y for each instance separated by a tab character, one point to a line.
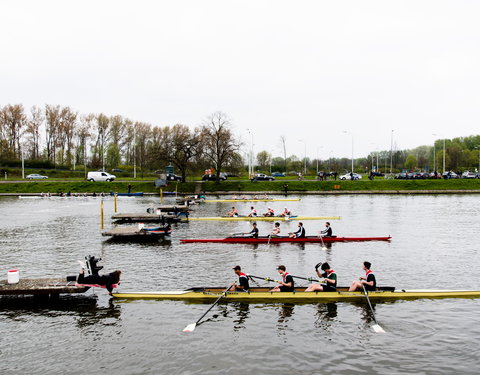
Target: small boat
266	239
263	218
252	200
262	294
139	194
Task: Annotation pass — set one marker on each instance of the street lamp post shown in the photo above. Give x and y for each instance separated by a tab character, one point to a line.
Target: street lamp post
443	155
317	156
346	132
250	155
391	152
305	156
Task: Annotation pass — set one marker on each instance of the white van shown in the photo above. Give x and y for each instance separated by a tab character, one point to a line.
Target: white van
100	176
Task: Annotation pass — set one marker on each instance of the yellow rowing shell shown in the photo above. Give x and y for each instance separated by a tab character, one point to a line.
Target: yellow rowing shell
253	200
300	296
264	218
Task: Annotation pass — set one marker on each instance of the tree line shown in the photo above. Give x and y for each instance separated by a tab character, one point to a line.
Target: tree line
62	137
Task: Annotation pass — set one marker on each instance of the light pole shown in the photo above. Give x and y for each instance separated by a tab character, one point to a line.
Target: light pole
443	155
434	165
305	156
391	152
134	152
317	156
346	132
250	155
23	165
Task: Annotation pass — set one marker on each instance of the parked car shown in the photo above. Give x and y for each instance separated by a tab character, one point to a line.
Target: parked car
377	174
262	177
278	174
468	174
117	170
174	177
100	176
35	176
348	176
213	177
401	176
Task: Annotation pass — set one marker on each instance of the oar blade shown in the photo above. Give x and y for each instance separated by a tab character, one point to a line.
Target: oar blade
378	329
190	327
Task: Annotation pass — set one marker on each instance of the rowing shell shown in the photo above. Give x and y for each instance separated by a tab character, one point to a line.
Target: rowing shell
263	294
263	218
286	239
252	200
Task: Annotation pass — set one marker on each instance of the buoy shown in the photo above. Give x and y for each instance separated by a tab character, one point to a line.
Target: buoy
13	276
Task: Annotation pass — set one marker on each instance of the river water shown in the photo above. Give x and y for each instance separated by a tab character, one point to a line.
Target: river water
434	245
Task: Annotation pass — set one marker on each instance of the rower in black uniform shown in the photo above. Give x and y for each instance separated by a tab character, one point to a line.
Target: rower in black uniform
243	285
327	232
300	233
254	232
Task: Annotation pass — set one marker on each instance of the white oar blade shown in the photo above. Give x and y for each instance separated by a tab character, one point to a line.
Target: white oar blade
324	248
378	329
190	327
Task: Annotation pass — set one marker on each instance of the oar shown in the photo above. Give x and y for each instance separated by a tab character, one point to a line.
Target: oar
191	327
307	278
376	327
321	239
264	278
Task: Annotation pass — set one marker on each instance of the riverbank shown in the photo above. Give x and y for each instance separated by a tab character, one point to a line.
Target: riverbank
246	187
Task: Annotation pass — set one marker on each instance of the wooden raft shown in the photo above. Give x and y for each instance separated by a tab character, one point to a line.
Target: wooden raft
47	286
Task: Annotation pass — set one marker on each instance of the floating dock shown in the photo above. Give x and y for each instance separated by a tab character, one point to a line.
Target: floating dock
147	218
41	287
135	233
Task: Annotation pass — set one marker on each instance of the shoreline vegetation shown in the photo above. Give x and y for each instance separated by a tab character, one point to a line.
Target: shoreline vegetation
246	187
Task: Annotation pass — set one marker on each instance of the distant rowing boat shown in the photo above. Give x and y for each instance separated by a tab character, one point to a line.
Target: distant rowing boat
266	239
252	200
262	294
264	218
139	194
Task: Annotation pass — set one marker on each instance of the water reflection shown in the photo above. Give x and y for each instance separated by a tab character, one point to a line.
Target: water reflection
285	312
85	308
326	313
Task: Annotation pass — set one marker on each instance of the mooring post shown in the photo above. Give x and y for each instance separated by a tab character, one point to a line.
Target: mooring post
161	195
115	202
101	215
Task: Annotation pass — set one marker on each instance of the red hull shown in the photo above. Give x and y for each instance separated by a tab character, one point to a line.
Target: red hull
286	239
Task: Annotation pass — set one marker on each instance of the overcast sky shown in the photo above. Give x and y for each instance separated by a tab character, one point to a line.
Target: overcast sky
307	70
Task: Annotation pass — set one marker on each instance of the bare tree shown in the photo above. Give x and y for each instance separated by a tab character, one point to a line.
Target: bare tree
82	135
218	141
34	123
12	119
52	130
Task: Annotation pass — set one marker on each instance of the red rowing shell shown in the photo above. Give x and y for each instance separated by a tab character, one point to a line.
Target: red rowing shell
285	239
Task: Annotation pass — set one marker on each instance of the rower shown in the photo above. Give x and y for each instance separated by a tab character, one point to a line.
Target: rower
253	233
286	284
286	212
327	232
233	212
269	212
369	281
329	279
242	285
244	197
255	197
300	233
264	196
276	230
253	212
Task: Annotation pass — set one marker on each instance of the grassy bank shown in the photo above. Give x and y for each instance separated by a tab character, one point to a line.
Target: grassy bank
241	186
